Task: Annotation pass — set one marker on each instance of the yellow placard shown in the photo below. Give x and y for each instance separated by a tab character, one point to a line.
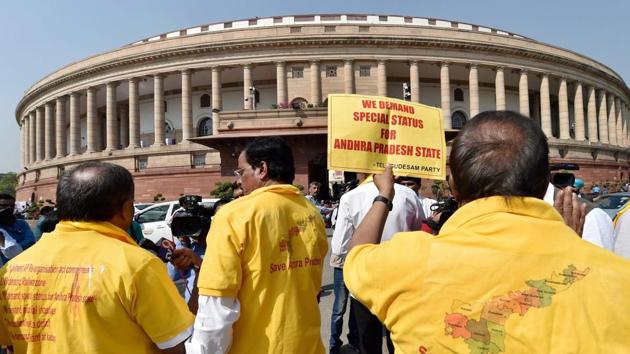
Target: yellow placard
367	132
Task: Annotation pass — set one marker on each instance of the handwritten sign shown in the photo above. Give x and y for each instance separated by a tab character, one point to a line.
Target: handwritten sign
367	132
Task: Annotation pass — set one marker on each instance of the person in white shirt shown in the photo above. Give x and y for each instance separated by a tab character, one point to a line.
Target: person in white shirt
406	215
415	183
9	247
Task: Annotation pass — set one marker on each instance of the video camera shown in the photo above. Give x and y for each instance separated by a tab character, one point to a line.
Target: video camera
192	219
445	207
563	179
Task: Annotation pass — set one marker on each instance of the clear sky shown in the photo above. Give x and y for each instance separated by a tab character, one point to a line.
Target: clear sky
42	36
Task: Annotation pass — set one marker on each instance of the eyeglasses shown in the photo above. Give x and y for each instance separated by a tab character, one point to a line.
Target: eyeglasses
239	172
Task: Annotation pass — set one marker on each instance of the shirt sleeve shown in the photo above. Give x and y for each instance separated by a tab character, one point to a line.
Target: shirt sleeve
622	236
213	325
28	238
156	305
598	229
376	274
221	273
343	230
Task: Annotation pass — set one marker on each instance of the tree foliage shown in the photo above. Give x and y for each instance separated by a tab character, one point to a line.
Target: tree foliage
8	182
222	190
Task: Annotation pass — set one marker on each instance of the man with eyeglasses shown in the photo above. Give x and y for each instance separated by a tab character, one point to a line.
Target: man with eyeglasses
262	271
17	229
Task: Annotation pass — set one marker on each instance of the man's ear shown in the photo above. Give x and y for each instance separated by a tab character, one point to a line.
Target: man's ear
263	169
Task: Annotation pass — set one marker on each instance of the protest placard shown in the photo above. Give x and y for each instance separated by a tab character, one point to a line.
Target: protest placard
367	132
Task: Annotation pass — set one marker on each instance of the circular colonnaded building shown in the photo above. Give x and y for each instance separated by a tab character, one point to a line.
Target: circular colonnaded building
176	109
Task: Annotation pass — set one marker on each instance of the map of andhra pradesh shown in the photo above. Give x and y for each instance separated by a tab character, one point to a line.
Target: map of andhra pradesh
486	335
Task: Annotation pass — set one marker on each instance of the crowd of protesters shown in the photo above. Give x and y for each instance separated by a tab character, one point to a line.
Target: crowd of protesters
499	265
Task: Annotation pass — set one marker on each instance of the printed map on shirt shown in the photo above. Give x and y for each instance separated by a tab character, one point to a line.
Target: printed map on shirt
487	334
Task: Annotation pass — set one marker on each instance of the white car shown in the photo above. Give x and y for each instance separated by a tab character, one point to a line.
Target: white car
154	219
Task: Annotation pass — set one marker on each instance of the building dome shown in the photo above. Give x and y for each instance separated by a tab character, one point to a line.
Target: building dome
177	108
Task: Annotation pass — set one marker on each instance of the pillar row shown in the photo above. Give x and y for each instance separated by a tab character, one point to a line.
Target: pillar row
473	89
60	131
578	105
445	95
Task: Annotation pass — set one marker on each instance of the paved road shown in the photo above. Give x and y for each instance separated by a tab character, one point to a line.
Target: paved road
326	303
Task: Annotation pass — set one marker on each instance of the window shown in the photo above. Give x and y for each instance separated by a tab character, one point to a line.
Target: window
357	18
143	163
227	25
157	213
364	70
382	18
408	19
432	21
296	29
458	119
252	22
331	71
204	101
277	20
329	28
459	95
364	28
297	72
199	160
205	127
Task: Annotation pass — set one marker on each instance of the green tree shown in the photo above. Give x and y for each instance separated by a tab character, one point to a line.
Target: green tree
222	190
8	182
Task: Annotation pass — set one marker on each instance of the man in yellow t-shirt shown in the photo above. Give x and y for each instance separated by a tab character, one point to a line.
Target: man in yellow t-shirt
505	274
262	271
88	287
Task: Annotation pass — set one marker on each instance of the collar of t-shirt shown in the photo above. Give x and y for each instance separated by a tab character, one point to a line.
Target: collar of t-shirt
277	188
527	206
102	227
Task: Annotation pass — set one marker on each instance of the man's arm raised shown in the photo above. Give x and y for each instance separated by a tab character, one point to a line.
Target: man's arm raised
370	229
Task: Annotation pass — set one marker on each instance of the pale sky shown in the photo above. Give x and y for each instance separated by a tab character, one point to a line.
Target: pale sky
42	36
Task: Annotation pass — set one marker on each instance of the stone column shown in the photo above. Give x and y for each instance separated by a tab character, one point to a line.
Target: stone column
49	131
612	123
92	120
27	139
382	78
111	117
217	98
545	106
591	115
578	105
619	119
134	114
348	76
75	124
625	118
123	118
247	83
187	119
32	140
445	95
499	89
282	99
158	110
22	124
603	118
523	93
41	129
563	108
473	90
414	81
316	83
60	120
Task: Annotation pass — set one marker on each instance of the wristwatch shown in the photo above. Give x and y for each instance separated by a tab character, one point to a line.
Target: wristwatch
385	200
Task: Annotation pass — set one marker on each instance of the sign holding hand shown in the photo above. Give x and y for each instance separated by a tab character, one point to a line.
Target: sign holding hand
365	133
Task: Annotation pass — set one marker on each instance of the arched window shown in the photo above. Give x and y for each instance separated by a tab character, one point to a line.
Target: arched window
204	101
204	127
299	103
458	119
459	95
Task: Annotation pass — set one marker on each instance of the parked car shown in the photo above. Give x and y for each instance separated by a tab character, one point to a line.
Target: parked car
140	207
154	218
612	203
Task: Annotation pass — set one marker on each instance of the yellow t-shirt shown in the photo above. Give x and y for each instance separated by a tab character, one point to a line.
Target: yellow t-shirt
500	278
267	250
88	288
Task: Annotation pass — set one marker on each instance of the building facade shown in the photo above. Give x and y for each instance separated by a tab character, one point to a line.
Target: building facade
176	109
